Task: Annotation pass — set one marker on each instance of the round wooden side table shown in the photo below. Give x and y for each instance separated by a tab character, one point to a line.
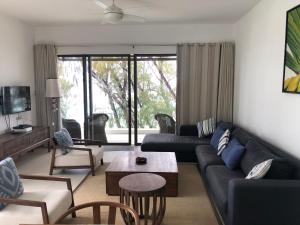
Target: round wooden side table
144	192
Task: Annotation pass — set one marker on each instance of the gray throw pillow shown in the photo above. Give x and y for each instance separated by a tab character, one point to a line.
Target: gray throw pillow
206	127
63	139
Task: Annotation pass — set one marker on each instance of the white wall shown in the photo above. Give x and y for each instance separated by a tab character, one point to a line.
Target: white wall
105	39
16	61
259	104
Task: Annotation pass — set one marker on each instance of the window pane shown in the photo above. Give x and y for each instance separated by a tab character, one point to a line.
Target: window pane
156	93
110	99
70	74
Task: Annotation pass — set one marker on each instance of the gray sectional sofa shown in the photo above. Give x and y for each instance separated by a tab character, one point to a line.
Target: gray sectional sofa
273	200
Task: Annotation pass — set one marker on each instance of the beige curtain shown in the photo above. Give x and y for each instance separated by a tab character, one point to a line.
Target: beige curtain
203	74
226	83
45	65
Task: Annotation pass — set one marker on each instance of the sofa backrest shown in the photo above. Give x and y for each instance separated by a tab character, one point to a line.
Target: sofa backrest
244	136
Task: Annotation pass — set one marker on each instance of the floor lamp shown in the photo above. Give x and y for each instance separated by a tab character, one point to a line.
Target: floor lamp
52	91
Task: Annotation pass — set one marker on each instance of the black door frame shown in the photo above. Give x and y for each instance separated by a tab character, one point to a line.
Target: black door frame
87	89
86	60
135	59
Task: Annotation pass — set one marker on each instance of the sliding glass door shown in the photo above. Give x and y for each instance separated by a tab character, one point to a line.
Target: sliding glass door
97	92
70	74
155	94
110	102
96	97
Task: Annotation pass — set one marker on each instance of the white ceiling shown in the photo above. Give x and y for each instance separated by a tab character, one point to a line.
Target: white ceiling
42	12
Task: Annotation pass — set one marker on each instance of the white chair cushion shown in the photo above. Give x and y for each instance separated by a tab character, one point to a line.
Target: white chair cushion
58	202
80	158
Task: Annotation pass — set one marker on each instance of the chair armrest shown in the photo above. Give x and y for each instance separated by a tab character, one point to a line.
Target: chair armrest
23	202
51	178
76	148
48	178
188	130
78	141
257	202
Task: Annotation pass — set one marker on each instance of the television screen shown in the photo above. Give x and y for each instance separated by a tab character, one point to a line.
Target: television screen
15	99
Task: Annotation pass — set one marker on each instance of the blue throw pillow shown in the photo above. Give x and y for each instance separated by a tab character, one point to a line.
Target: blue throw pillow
63	138
10	183
233	153
214	141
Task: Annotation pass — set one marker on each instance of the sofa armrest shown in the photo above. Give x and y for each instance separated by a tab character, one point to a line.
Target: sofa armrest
258	202
23	202
188	130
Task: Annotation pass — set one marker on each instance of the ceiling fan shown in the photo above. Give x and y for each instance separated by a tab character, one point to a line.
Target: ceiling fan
114	14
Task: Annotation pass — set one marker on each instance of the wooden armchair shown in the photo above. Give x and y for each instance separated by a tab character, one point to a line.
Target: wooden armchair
130	216
89	156
37	205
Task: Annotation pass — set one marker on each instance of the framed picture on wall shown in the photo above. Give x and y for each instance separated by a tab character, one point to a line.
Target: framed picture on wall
291	73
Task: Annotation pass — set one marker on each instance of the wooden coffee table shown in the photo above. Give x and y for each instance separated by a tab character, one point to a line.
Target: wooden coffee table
160	163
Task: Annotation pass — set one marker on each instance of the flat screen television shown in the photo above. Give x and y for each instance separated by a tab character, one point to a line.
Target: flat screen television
15	99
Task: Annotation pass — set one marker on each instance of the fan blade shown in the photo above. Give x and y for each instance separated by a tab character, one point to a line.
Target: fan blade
101	4
128	4
133	18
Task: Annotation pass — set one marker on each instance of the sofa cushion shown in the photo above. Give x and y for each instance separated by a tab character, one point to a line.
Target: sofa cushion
280	169
57	201
255	153
183	146
218	178
241	135
233	153
173	140
10	183
80	158
225	125
207	156
214	141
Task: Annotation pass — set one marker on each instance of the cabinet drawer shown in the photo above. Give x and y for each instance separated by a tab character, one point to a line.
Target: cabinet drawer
39	136
16	145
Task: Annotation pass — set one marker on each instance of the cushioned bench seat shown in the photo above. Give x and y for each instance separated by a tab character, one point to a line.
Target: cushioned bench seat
183	146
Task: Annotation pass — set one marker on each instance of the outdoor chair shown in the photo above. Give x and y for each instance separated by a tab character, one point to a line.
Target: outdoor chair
73	127
97	127
129	215
166	123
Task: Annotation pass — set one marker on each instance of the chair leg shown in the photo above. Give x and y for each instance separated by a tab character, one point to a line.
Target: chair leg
102	161
51	170
73	213
93	170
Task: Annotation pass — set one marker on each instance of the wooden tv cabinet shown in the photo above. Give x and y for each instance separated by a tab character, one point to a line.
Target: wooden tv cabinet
12	144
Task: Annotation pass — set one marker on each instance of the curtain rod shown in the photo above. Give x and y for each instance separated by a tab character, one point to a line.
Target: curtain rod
118	44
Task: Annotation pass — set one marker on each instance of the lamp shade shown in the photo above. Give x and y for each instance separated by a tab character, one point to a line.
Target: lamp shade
52	88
